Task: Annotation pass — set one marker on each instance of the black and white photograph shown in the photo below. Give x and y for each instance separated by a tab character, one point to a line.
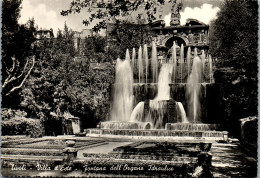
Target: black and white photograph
129	88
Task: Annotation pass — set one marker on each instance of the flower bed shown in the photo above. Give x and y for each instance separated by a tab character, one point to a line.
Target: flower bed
160	149
33	152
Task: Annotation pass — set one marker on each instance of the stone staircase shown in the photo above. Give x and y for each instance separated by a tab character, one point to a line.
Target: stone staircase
229	161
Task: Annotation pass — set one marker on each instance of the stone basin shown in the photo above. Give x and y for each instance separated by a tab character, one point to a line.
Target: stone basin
125	125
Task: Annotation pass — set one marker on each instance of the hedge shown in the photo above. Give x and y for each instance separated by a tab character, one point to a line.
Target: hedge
22	126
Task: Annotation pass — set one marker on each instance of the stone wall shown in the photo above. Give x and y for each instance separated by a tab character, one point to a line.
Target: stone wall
249	134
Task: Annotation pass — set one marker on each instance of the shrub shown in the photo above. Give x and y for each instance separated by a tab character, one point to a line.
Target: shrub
16	124
249	129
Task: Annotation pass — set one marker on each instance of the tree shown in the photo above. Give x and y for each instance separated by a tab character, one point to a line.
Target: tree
234	40
94	48
126	35
44	91
101	10
65	41
61	82
17	52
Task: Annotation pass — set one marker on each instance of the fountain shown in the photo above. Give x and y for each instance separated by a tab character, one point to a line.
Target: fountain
174	61
182	112
140	65
181	60
145	53
203	59
210	69
158	109
123	91
133	60
195	53
154	63
193	89
188	60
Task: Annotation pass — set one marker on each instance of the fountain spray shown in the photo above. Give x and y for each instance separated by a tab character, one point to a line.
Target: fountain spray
181	59
193	90
122	105
203	59
174	61
154	63
140	65
133	60
210	70
188	60
145	53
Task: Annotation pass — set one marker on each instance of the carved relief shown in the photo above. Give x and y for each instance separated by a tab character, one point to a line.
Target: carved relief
158	39
184	35
196	38
190	38
175	16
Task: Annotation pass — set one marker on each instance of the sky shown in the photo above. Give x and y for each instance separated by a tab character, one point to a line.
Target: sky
47	13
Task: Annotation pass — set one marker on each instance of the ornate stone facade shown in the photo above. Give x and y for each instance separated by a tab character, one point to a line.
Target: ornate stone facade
192	34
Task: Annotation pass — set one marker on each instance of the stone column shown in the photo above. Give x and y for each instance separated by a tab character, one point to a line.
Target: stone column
172	114
146	108
70	153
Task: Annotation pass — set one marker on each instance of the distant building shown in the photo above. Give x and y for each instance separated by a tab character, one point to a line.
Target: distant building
79	38
193	34
41	34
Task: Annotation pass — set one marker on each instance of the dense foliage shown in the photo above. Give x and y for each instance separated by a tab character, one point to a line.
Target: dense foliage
62	82
17	52
101	10
234	40
59	81
94	49
16	122
125	35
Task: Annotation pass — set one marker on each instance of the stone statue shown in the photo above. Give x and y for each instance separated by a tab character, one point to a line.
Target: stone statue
175	16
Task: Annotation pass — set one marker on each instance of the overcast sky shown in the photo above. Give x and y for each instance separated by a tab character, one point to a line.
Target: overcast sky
47	13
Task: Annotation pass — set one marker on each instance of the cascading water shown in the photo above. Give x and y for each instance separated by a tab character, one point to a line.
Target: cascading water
154	63
140	65
158	104
164	81
123	90
138	113
193	90
181	112
174	61
157	110
145	53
